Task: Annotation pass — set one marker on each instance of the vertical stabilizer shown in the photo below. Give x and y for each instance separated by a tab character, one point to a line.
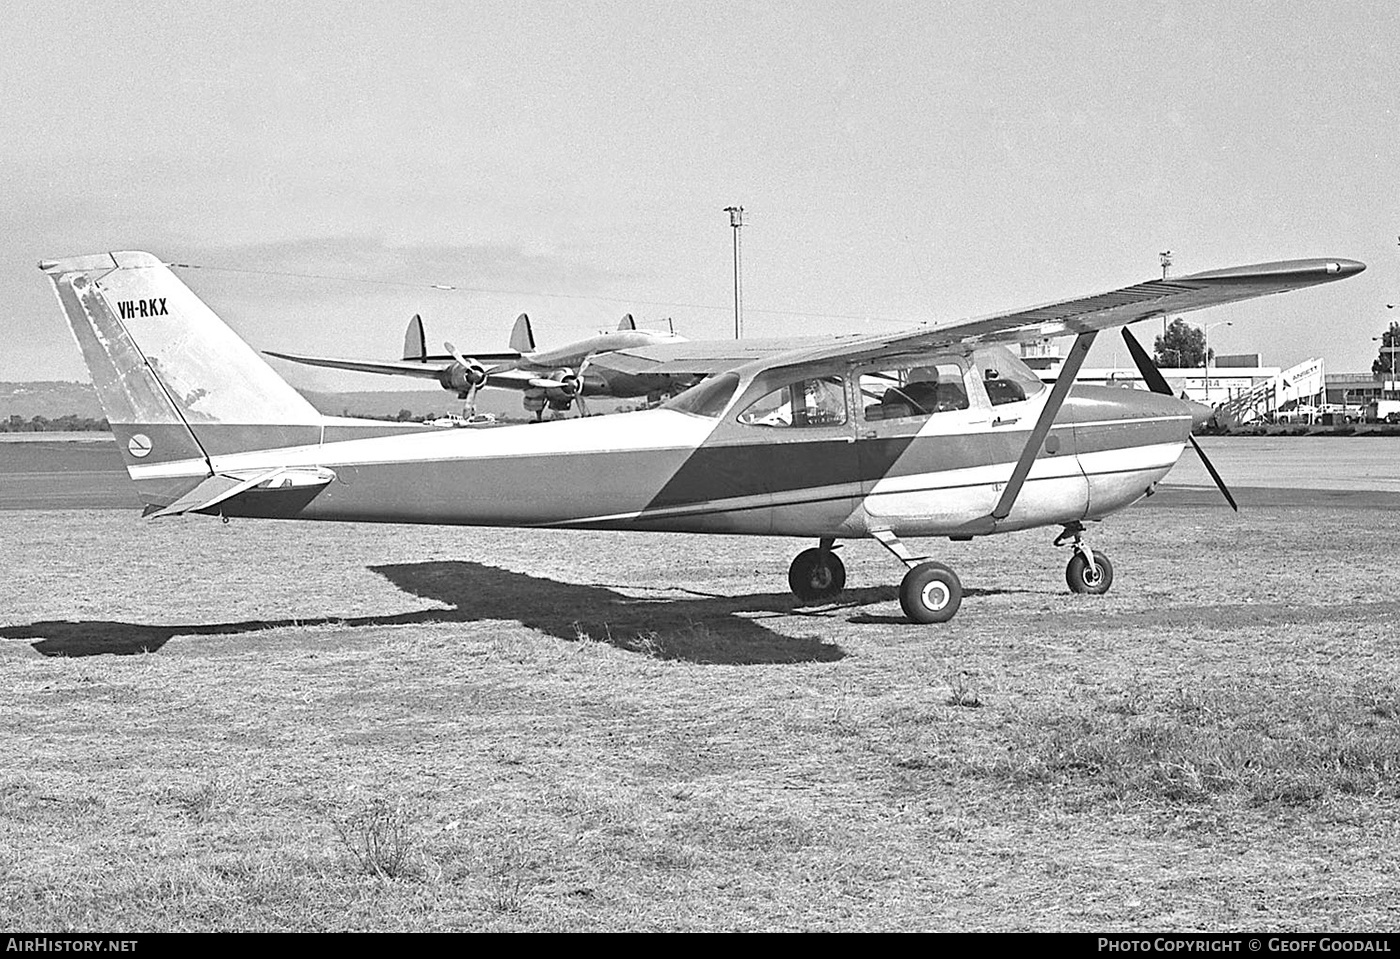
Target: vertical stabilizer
415	344
627	323
178	386
522	338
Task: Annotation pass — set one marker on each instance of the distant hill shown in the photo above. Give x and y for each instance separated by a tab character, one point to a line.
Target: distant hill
49	399
53	399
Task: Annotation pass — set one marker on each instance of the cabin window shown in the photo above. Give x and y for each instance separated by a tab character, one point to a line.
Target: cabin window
922	389
819	401
1005	378
706	398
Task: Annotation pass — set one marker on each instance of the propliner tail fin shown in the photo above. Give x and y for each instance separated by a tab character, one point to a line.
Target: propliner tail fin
178	386
522	338
415	344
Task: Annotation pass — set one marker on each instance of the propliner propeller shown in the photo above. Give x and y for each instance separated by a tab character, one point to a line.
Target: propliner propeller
569	385
1158	384
473	375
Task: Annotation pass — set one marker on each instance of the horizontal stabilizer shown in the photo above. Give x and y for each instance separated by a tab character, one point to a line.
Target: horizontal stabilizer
218	488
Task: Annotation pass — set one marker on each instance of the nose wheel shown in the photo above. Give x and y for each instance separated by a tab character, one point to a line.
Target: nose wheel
1087	571
1086	578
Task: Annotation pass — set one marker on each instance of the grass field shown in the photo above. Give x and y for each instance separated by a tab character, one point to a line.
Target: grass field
300	726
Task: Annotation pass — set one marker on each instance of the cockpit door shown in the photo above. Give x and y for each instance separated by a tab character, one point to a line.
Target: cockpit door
798	447
921	430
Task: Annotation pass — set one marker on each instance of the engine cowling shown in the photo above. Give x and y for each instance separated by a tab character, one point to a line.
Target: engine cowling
569	386
463	377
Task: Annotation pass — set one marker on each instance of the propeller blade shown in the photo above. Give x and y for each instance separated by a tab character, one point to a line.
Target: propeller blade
540	383
1210	468
1158	383
1152	376
455	355
578	380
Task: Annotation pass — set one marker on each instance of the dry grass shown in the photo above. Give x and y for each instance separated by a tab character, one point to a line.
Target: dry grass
289	726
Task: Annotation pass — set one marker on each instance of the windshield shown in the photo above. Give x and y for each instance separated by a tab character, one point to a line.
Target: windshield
1005	377
706	398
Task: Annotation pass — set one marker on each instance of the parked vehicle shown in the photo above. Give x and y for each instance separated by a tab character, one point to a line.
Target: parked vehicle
453	421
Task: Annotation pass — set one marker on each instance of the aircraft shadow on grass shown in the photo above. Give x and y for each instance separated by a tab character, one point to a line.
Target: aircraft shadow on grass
698	627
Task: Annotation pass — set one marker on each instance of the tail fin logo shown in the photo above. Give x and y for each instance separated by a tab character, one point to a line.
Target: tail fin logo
131	309
139	445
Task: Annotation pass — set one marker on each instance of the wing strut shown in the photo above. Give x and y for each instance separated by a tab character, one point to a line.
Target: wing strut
1042	426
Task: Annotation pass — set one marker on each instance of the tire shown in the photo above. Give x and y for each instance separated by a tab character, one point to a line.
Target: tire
1081	580
815	577
930	593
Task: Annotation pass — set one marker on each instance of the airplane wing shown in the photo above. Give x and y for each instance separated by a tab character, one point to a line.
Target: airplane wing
429	370
430	367
705	357
1141	301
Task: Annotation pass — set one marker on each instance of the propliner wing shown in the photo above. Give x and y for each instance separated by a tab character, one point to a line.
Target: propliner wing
430	368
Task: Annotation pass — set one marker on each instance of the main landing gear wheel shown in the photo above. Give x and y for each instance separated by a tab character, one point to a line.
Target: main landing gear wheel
930	593
816	575
1084	579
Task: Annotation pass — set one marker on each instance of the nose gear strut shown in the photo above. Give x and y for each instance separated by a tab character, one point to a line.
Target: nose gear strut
1087	572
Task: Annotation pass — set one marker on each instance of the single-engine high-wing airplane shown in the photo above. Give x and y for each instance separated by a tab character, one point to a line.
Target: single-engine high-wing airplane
936	431
622	364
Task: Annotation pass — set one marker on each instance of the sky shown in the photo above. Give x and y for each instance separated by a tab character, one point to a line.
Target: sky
326	165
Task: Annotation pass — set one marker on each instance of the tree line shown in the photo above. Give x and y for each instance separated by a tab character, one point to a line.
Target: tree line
68	423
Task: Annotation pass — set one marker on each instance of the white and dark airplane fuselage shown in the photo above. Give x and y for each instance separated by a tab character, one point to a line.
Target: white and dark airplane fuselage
667	469
933	432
